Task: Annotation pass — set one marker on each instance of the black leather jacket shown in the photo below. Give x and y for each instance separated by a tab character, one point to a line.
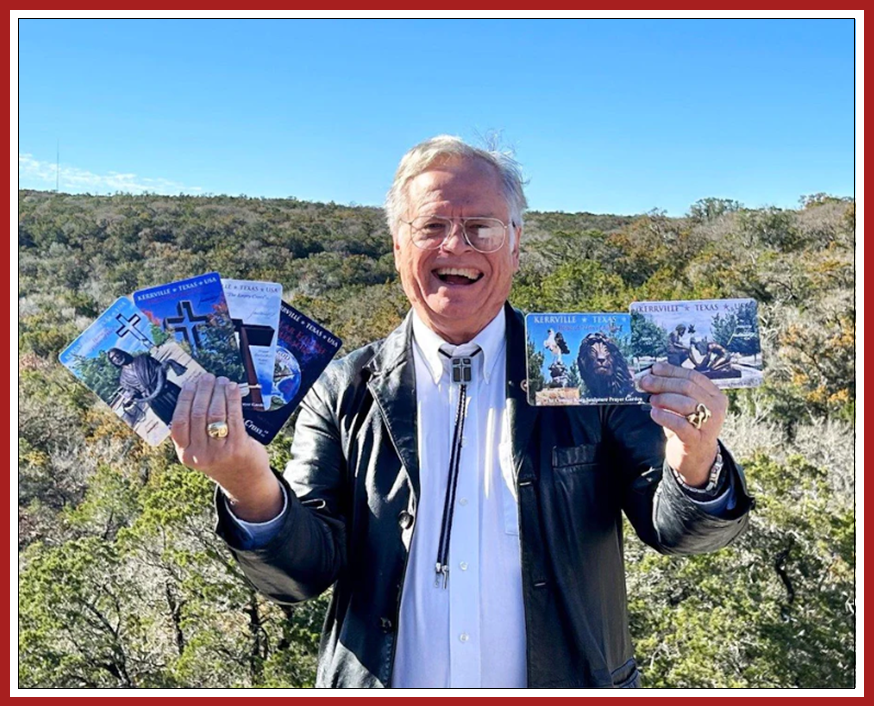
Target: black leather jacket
354	478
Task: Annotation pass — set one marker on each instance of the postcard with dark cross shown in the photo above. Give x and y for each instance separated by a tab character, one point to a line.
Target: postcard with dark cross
195	313
254	308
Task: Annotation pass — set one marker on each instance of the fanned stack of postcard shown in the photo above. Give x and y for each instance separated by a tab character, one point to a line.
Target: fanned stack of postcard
137	356
599	358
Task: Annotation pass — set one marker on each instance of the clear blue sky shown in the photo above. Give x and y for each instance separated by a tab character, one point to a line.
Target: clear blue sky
608	116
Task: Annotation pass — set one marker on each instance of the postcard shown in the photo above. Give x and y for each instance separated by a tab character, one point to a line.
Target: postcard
254	309
719	338
579	359
195	312
134	367
303	351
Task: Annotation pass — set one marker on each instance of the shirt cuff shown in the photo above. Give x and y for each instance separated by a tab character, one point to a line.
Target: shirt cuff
254	535
718	501
720	505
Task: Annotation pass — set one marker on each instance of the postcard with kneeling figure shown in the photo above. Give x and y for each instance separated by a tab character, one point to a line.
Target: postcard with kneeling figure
134	367
579	359
719	338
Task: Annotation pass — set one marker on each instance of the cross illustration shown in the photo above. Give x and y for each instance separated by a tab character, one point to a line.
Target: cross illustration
129	326
186	323
252	335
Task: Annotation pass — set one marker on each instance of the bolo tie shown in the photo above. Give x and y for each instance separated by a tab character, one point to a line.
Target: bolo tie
461	374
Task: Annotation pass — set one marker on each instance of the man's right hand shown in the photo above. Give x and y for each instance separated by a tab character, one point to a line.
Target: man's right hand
238	463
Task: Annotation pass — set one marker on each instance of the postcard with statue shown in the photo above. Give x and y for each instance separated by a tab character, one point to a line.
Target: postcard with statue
579	359
719	338
195	312
133	367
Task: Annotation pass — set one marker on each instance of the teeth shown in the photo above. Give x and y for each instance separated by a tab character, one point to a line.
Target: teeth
464	272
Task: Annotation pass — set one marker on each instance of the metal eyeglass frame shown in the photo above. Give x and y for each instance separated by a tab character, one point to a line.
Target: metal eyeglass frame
463	222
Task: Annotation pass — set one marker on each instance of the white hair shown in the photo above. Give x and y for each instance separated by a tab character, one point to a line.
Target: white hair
447	147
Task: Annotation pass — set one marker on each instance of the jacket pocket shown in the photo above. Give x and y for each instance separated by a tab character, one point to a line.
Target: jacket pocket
627	676
583	500
569	456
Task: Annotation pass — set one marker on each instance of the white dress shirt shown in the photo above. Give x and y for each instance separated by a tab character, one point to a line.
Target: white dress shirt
472	632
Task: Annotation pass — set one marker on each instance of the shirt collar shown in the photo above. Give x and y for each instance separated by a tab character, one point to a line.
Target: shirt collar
491	340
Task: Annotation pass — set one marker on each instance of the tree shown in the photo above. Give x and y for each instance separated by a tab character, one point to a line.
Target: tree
710	209
648	339
738	331
535	371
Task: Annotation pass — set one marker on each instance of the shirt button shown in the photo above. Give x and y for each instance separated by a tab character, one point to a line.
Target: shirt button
405	520
462	501
463	566
464	637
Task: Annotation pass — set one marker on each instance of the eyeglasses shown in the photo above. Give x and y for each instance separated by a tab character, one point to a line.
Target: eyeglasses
482	234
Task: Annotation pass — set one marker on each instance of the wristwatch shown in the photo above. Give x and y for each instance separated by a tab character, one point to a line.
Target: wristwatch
713	479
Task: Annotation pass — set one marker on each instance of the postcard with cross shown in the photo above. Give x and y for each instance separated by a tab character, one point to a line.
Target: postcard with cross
254	309
134	367
195	312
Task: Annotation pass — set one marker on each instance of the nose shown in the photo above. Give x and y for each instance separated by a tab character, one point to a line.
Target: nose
456	240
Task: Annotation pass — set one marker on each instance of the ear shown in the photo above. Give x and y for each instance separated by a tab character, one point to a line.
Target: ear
514	252
396	250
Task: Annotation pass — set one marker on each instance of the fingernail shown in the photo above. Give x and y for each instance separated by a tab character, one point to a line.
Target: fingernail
189	385
232	385
222	380
658	367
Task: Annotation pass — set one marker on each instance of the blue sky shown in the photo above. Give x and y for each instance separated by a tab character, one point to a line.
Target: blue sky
605	116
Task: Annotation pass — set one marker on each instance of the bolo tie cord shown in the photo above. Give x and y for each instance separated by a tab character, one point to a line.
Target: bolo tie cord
461	373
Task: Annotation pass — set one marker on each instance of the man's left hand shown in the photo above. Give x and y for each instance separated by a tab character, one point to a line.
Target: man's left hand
676	393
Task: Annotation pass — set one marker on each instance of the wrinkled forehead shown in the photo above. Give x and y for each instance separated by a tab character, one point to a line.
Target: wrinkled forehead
457	188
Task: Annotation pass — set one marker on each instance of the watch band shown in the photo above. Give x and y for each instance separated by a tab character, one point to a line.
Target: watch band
713	479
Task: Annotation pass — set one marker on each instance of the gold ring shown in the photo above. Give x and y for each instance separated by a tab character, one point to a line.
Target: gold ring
699	417
217	430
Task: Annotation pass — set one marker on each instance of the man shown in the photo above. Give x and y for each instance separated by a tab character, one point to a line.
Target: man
143	380
678	351
470	539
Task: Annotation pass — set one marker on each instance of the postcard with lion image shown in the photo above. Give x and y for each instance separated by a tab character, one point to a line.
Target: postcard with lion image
579	359
133	367
719	338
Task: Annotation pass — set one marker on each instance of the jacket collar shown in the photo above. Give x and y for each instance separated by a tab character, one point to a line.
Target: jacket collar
393	385
522	415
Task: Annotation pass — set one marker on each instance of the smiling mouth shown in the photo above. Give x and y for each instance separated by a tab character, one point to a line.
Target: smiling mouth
463	276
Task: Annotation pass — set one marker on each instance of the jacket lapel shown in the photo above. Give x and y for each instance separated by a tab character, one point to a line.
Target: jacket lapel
393	386
522	416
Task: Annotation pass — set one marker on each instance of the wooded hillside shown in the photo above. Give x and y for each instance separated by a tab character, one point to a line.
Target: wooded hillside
123	583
